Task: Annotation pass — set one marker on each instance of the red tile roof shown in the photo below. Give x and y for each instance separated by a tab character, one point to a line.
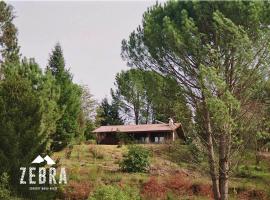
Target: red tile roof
138	128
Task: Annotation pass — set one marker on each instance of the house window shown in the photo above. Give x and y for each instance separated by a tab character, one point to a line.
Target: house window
159	139
143	139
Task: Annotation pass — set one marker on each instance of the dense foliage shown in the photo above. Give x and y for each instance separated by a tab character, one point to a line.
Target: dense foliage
4	187
69	102
9	49
136	160
40	111
28	114
204	64
146	96
218	53
108	114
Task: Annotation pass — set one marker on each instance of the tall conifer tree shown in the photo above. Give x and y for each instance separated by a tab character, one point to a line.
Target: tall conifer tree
28	115
108	114
9	49
69	102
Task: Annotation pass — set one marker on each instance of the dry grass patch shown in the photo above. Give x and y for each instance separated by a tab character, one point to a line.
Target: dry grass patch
76	190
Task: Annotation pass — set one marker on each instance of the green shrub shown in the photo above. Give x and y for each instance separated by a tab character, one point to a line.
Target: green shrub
110	192
189	153
171	196
196	153
136	160
251	171
4	189
90	136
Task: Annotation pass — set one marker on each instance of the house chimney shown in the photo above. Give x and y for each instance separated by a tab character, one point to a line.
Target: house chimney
171	123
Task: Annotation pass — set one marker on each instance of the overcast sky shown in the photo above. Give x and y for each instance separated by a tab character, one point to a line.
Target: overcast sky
89	32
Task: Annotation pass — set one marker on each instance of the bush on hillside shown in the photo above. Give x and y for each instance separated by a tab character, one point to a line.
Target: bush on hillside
189	153
136	160
4	189
110	192
90	136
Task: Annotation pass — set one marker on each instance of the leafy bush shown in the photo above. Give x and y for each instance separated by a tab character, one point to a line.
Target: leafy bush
251	171
90	136
110	192
185	153
4	189
196	153
136	160
171	196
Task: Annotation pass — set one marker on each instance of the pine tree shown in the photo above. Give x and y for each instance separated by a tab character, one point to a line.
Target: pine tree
28	113
215	50
69	103
108	114
146	96
9	48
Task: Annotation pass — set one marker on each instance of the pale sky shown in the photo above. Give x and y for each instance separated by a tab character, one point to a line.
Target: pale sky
90	34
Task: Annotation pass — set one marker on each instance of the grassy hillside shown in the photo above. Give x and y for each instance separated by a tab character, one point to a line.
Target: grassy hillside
91	166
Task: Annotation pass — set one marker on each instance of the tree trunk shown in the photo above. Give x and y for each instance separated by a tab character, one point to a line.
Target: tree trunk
223	166
147	113
136	113
211	156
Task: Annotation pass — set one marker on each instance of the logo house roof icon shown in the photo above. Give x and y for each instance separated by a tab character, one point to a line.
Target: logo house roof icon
47	158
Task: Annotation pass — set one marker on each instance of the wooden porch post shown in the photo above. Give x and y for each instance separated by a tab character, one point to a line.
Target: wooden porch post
147	139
